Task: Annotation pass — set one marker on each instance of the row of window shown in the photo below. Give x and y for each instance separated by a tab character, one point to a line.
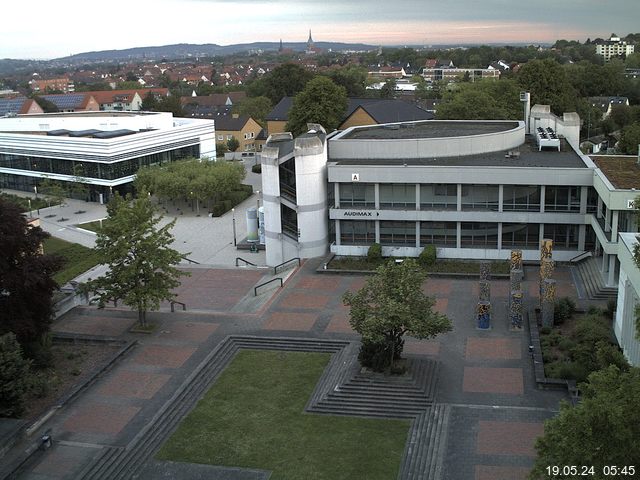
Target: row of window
473	197
105	171
472	234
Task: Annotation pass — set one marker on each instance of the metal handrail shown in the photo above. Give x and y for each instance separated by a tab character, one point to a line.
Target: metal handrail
255	289
190	261
275	269
583	254
173	302
245	261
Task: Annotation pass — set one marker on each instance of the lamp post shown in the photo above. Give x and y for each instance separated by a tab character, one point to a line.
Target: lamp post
29	200
35	189
258	199
233	219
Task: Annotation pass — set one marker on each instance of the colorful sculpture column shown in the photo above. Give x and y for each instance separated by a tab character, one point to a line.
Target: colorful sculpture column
548	302
515	310
483	309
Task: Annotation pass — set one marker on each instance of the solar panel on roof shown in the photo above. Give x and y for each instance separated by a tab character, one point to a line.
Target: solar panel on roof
58	133
84	133
11	105
65	101
113	133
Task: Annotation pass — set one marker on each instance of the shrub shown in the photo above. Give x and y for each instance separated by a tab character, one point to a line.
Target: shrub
377	356
227	205
14	377
566	344
256	168
564	310
217	209
375	252
428	256
594	310
609	354
545	330
573	371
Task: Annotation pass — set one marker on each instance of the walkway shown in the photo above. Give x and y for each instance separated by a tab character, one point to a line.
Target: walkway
493	410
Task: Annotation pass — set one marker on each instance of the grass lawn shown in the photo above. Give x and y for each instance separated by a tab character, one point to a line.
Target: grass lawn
253	417
78	259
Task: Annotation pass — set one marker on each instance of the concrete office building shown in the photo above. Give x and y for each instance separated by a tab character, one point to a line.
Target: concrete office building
475	189
109	147
624	325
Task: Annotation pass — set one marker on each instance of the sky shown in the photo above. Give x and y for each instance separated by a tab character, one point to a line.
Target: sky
50	30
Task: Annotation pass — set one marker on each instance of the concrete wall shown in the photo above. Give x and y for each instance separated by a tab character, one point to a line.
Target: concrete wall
628	294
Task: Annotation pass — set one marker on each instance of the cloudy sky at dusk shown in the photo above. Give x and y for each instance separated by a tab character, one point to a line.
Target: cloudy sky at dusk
49	30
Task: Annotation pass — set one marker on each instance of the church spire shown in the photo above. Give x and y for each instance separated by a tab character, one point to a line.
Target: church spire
280	48
310	41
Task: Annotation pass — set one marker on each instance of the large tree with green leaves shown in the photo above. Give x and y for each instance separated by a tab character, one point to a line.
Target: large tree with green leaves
390	305
142	265
602	430
284	81
255	107
630	139
26	283
548	84
482	100
321	101
14	377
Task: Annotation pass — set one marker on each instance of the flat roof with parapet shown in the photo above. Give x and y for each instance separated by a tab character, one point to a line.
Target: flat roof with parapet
622	171
526	155
429	129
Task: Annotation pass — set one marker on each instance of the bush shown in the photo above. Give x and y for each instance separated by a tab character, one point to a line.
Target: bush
573	371
14	377
228	204
564	310
566	344
428	256
218	209
256	168
375	252
545	330
377	356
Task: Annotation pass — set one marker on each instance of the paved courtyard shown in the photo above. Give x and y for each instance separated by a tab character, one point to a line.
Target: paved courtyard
486	377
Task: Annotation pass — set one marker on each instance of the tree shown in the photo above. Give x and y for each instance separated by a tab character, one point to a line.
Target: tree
26	283
630	139
14	377
46	105
321	101
255	107
170	104
78	187
388	90
221	149
142	270
284	81
149	103
353	78
621	115
548	84
233	144
53	191
602	430
390	305
482	100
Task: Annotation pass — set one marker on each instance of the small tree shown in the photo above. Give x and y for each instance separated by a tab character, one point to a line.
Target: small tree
14	377
142	270
390	305
233	144
53	191
221	149
79	185
321	101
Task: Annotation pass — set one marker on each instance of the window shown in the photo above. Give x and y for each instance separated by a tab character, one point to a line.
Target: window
565	237
562	199
521	198
440	234
398	195
521	235
398	233
480	197
479	235
229	137
221	137
439	197
357	195
357	232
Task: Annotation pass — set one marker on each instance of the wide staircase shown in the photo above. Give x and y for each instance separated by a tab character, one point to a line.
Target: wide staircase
589	273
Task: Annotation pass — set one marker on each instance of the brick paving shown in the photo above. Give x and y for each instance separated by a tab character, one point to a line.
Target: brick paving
493	348
492	472
507	438
163	356
100	418
133	384
493	380
486	377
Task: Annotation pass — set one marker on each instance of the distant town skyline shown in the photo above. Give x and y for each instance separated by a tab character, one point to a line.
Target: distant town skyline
45	31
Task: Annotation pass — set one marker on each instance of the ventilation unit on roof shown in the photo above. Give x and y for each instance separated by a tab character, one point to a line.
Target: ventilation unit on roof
547	137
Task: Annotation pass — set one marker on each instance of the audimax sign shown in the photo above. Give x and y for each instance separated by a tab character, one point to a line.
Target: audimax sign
360	213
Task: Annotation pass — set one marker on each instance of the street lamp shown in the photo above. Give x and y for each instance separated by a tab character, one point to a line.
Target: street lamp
258	200
29	200
233	219
35	189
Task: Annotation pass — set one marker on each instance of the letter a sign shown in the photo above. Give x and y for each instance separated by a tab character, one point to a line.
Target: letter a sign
355	177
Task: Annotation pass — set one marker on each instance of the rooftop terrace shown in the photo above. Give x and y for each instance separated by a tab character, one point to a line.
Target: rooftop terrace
622	171
429	129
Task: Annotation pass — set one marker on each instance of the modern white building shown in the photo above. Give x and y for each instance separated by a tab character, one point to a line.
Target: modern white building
625	327
614	47
109	147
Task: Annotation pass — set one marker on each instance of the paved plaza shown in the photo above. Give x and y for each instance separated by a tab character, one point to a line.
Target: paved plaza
486	377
